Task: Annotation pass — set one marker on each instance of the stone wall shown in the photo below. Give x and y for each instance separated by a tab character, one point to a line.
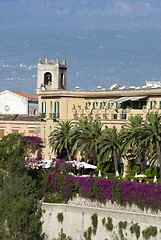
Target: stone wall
77	221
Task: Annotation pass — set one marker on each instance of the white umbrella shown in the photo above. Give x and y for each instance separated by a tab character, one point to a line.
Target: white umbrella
140	175
82	165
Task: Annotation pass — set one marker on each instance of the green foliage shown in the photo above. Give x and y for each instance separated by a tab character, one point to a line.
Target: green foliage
109	224
88	234
62	236
13	150
135	228
20	209
94	219
151	172
122	225
53	198
60	139
109	146
106	167
132	169
116	192
149	232
85	135
103	221
60	217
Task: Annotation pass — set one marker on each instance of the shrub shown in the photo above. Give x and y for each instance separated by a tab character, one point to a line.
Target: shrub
109	224
94	219
150	231
135	228
142	195
60	217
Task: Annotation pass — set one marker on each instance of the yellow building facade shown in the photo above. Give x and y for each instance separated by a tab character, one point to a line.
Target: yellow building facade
112	107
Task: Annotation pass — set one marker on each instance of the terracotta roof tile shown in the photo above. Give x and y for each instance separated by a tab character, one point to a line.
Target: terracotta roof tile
19	117
26	95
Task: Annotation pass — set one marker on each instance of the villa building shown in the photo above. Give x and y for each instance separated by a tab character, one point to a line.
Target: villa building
19	113
111	106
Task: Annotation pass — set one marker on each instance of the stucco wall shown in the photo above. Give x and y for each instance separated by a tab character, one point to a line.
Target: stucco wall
77	219
11	103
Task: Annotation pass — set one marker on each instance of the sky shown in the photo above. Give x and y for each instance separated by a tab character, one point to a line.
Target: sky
104	41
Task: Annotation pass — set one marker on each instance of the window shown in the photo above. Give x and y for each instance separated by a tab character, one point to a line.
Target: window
56	110
47	78
15	131
151	105
62	80
31	131
160	105
51	109
1	133
35	111
100	104
43	110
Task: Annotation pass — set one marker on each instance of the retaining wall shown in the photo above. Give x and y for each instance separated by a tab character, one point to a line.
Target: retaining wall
77	220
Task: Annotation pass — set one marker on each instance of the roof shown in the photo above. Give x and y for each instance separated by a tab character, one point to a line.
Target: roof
19	117
26	95
52	62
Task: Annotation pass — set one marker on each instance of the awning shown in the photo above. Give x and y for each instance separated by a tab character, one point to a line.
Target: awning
126	99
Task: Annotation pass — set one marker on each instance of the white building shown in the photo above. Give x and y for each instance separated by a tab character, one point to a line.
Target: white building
12	102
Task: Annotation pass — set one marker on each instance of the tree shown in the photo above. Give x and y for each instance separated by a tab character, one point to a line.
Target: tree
13	150
60	138
149	135
109	146
129	141
85	135
20	209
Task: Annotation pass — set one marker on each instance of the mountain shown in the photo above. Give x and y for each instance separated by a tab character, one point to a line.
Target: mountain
103	42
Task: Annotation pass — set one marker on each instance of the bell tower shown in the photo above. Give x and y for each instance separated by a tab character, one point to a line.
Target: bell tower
51	75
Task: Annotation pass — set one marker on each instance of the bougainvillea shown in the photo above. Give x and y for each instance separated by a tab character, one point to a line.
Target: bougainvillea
143	195
61	166
36	145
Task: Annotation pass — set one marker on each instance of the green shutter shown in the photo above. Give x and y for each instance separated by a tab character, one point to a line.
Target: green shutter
51	107
104	104
43	109
151	105
54	109
100	104
160	105
57	109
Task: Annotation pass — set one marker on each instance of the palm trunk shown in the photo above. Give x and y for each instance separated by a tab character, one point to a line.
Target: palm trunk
68	155
143	164
115	163
158	155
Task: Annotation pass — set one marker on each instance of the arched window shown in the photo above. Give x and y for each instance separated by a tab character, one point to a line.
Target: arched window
47	78
35	111
62	80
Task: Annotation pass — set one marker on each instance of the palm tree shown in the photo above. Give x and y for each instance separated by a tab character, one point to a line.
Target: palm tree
85	134
149	134
60	138
129	141
109	146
